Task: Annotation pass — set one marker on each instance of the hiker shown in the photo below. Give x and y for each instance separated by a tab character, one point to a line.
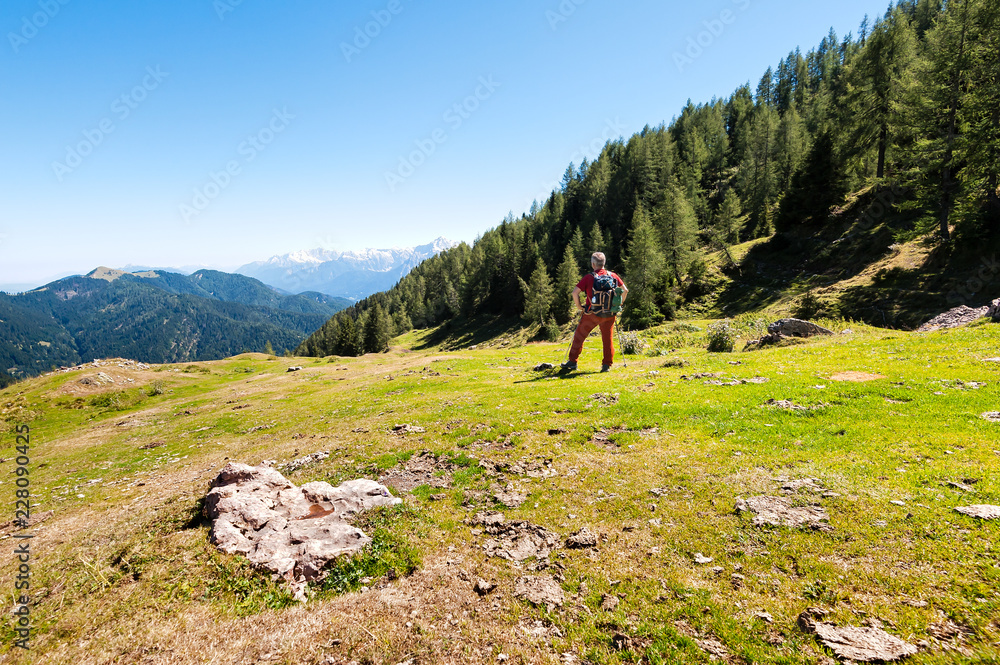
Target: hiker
605	292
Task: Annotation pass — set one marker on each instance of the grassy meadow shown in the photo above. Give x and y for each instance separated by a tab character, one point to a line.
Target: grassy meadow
651	457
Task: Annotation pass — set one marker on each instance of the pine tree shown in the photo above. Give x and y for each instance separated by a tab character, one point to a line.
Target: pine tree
537	295
644	267
728	220
268	349
981	114
678	229
579	248
349	342
376	330
938	97
595	240
567	277
876	83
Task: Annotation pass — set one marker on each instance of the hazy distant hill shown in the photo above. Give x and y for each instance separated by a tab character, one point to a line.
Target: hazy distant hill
151	316
343	274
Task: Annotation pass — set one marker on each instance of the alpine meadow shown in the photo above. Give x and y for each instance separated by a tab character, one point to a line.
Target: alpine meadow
794	458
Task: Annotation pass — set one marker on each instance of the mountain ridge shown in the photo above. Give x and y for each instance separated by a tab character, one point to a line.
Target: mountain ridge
351	274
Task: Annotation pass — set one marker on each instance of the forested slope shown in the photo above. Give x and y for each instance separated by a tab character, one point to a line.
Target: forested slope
836	155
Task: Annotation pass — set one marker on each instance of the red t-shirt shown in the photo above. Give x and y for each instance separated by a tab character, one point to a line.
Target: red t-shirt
587	283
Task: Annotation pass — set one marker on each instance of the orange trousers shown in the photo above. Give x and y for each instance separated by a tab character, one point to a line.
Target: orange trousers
587	323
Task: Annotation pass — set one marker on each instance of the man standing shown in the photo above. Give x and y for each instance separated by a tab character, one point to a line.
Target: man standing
600	289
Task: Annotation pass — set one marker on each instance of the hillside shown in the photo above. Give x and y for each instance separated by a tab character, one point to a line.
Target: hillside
884	433
794	193
152	317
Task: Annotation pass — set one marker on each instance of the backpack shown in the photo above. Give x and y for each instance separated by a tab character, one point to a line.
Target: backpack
607	298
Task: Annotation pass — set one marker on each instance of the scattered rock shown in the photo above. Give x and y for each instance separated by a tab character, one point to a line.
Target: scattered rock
866	645
785	404
438	497
992	416
422	469
948	630
544	366
99	379
789	486
540	590
960	486
779	511
715	649
609	603
510	497
581	539
292	531
295	465
993	311
737	581
605	399
515	541
983	512
151	445
408	429
797	328
293	369
701	559
954	318
482	587
556	430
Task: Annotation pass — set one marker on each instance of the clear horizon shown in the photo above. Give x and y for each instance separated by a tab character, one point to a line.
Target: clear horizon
221	133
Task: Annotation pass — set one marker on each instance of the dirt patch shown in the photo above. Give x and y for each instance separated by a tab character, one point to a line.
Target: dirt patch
605	399
605	437
422	469
540	590
515	541
856	377
511	496
779	511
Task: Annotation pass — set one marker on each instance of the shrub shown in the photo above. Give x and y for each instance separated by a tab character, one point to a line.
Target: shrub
550	331
630	342
721	337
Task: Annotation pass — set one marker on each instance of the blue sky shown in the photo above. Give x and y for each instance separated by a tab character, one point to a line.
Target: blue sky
218	132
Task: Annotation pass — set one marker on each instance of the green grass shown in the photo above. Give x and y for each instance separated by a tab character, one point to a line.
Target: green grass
899	438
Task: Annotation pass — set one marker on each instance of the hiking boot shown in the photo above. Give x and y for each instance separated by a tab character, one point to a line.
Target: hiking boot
605	368
569	366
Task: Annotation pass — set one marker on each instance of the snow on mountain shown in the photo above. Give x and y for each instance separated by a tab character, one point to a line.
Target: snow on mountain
354	274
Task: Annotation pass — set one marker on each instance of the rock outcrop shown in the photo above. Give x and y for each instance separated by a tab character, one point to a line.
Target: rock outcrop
292	531
797	328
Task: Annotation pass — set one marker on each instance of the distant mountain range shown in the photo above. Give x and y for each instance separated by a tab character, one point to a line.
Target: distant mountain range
151	316
352	275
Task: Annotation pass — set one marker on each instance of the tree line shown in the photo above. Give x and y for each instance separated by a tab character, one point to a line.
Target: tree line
911	103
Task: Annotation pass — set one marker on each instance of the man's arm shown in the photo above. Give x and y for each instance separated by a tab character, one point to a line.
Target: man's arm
576	298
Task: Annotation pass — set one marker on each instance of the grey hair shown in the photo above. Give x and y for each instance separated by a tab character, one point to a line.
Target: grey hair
598	259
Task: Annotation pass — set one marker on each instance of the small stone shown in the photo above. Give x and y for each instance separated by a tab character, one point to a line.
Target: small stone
701	559
581	539
897	503
482	587
609	602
